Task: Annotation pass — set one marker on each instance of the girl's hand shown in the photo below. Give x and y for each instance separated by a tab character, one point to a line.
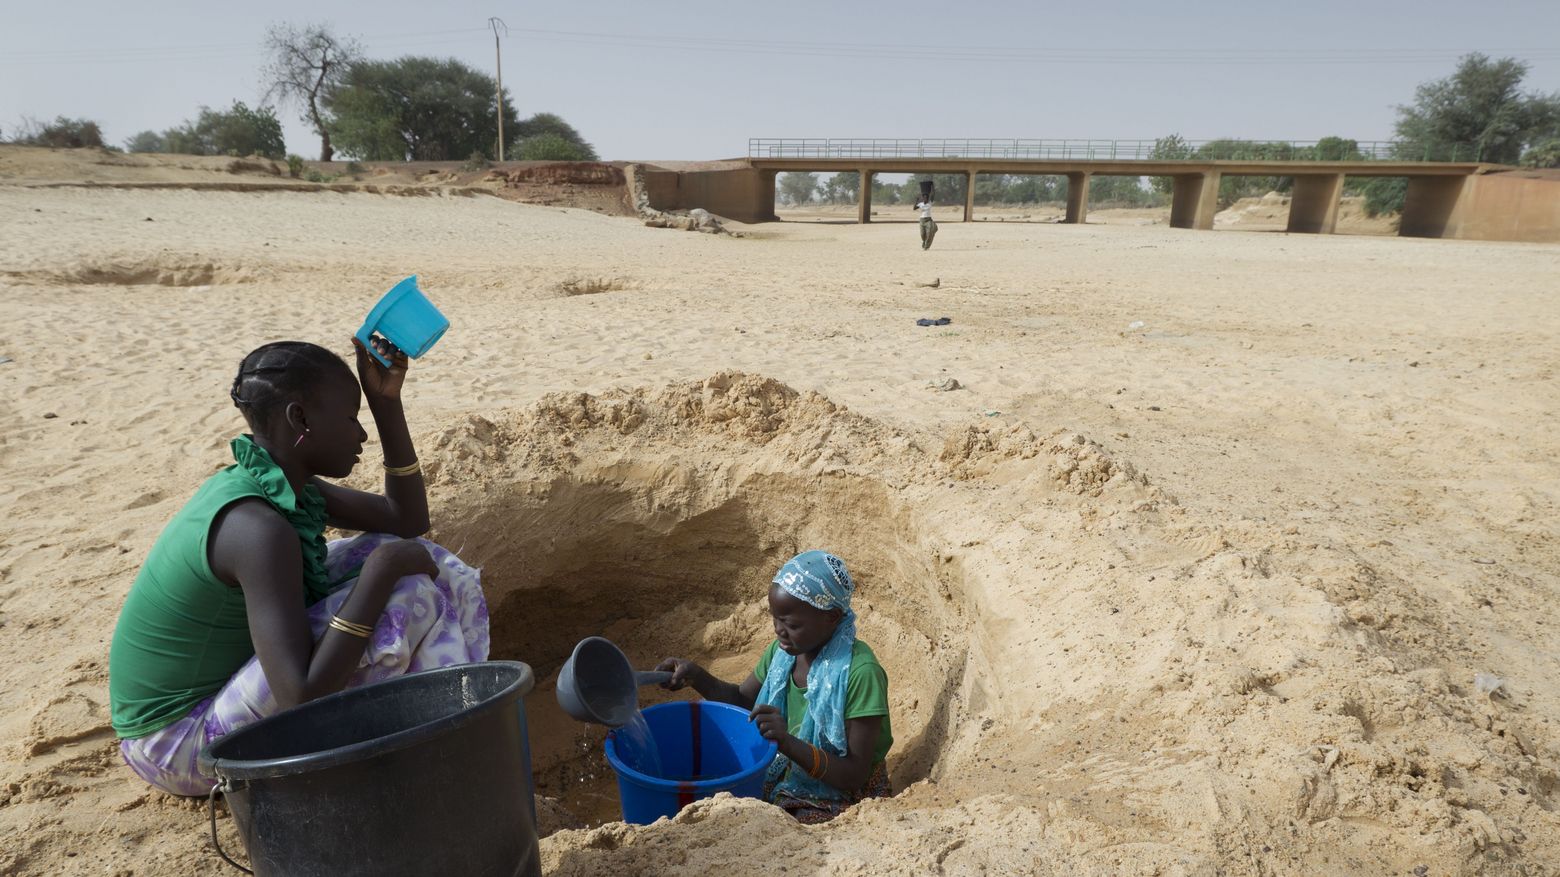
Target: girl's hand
381	384
680	669
771	724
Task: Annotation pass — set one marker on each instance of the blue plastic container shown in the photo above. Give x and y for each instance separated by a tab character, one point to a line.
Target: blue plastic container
706	747
406	318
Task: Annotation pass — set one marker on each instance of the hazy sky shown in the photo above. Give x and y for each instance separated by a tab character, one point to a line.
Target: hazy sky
694	79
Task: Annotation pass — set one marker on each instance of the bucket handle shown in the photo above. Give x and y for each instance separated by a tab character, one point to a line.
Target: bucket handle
224	786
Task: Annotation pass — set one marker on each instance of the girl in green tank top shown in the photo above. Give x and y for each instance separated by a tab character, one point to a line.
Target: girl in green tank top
242	609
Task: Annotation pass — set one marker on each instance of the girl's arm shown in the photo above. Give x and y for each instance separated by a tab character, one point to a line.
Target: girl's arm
255	549
688	673
847	773
403	508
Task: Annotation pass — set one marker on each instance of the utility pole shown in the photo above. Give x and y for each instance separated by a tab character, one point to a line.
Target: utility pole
498	66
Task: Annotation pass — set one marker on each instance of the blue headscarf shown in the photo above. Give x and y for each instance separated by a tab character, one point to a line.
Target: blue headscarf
820	580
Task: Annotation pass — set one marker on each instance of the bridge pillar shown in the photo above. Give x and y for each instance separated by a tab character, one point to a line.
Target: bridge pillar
1077	197
1313	205
969	196
864	203
1194	199
1430	207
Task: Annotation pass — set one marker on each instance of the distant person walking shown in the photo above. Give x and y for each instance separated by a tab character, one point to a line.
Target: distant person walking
928	225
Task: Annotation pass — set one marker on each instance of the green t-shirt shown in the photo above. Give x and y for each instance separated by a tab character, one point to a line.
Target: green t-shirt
866	694
183	632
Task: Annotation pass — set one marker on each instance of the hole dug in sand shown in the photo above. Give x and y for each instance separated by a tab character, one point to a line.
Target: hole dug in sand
664	562
633	518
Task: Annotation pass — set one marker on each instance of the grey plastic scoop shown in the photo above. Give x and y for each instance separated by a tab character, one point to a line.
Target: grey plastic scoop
598	685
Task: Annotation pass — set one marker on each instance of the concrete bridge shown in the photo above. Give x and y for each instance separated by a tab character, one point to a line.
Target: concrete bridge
1444	198
1318	186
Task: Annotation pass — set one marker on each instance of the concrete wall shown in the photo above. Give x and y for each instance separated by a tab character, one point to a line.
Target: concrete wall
660	188
1510	206
743	195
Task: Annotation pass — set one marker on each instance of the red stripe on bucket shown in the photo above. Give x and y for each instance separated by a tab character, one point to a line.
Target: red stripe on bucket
684	795
698	742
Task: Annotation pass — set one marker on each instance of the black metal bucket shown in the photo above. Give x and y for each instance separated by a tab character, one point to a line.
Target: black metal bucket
428	773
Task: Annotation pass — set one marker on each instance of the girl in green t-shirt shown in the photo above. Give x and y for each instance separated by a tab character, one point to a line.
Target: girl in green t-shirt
242	608
817	691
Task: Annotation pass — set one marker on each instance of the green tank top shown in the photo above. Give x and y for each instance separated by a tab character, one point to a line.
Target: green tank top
183	633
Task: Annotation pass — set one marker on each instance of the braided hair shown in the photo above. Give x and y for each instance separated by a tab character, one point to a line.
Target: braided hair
275	375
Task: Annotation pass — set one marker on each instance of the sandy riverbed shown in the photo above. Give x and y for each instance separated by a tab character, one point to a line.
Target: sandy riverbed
1191	575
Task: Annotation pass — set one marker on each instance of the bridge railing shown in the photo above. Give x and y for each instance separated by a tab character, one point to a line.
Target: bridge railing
1117	150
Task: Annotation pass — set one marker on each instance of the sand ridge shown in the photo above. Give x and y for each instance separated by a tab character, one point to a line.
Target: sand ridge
1192	576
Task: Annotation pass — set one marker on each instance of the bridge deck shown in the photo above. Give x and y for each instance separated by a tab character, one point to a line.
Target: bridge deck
1124	167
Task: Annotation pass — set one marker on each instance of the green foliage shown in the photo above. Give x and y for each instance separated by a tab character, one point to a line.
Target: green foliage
237	131
355	170
887	194
550	146
1545	154
543	124
62	133
146	141
478	161
1172	148
842	188
797	188
1479	109
1122	192
413	108
1384	195
294	166
1333	149
1233	188
946	188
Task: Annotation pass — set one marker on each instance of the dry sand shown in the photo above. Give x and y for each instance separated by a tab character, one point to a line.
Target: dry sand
1193	575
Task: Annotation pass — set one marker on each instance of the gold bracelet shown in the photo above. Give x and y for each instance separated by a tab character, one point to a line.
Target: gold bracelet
412	468
361	631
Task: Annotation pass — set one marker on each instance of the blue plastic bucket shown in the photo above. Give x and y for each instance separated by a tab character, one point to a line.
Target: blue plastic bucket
406	318
706	747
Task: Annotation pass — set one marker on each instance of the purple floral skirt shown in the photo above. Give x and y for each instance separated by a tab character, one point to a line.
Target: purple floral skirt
427	623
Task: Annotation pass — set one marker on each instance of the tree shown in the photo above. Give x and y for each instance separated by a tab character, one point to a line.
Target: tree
304	63
553	125
1121	192
1172	148
146	141
842	188
1478	113
887	194
236	131
798	188
414	108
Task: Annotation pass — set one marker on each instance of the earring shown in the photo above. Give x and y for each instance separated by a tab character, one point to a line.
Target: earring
300	437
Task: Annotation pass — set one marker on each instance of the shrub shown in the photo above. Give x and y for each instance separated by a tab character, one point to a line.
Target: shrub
476	162
236	131
62	133
1544	154
295	166
146	141
550	146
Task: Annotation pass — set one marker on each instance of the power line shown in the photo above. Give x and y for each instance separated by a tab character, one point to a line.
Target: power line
990	54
